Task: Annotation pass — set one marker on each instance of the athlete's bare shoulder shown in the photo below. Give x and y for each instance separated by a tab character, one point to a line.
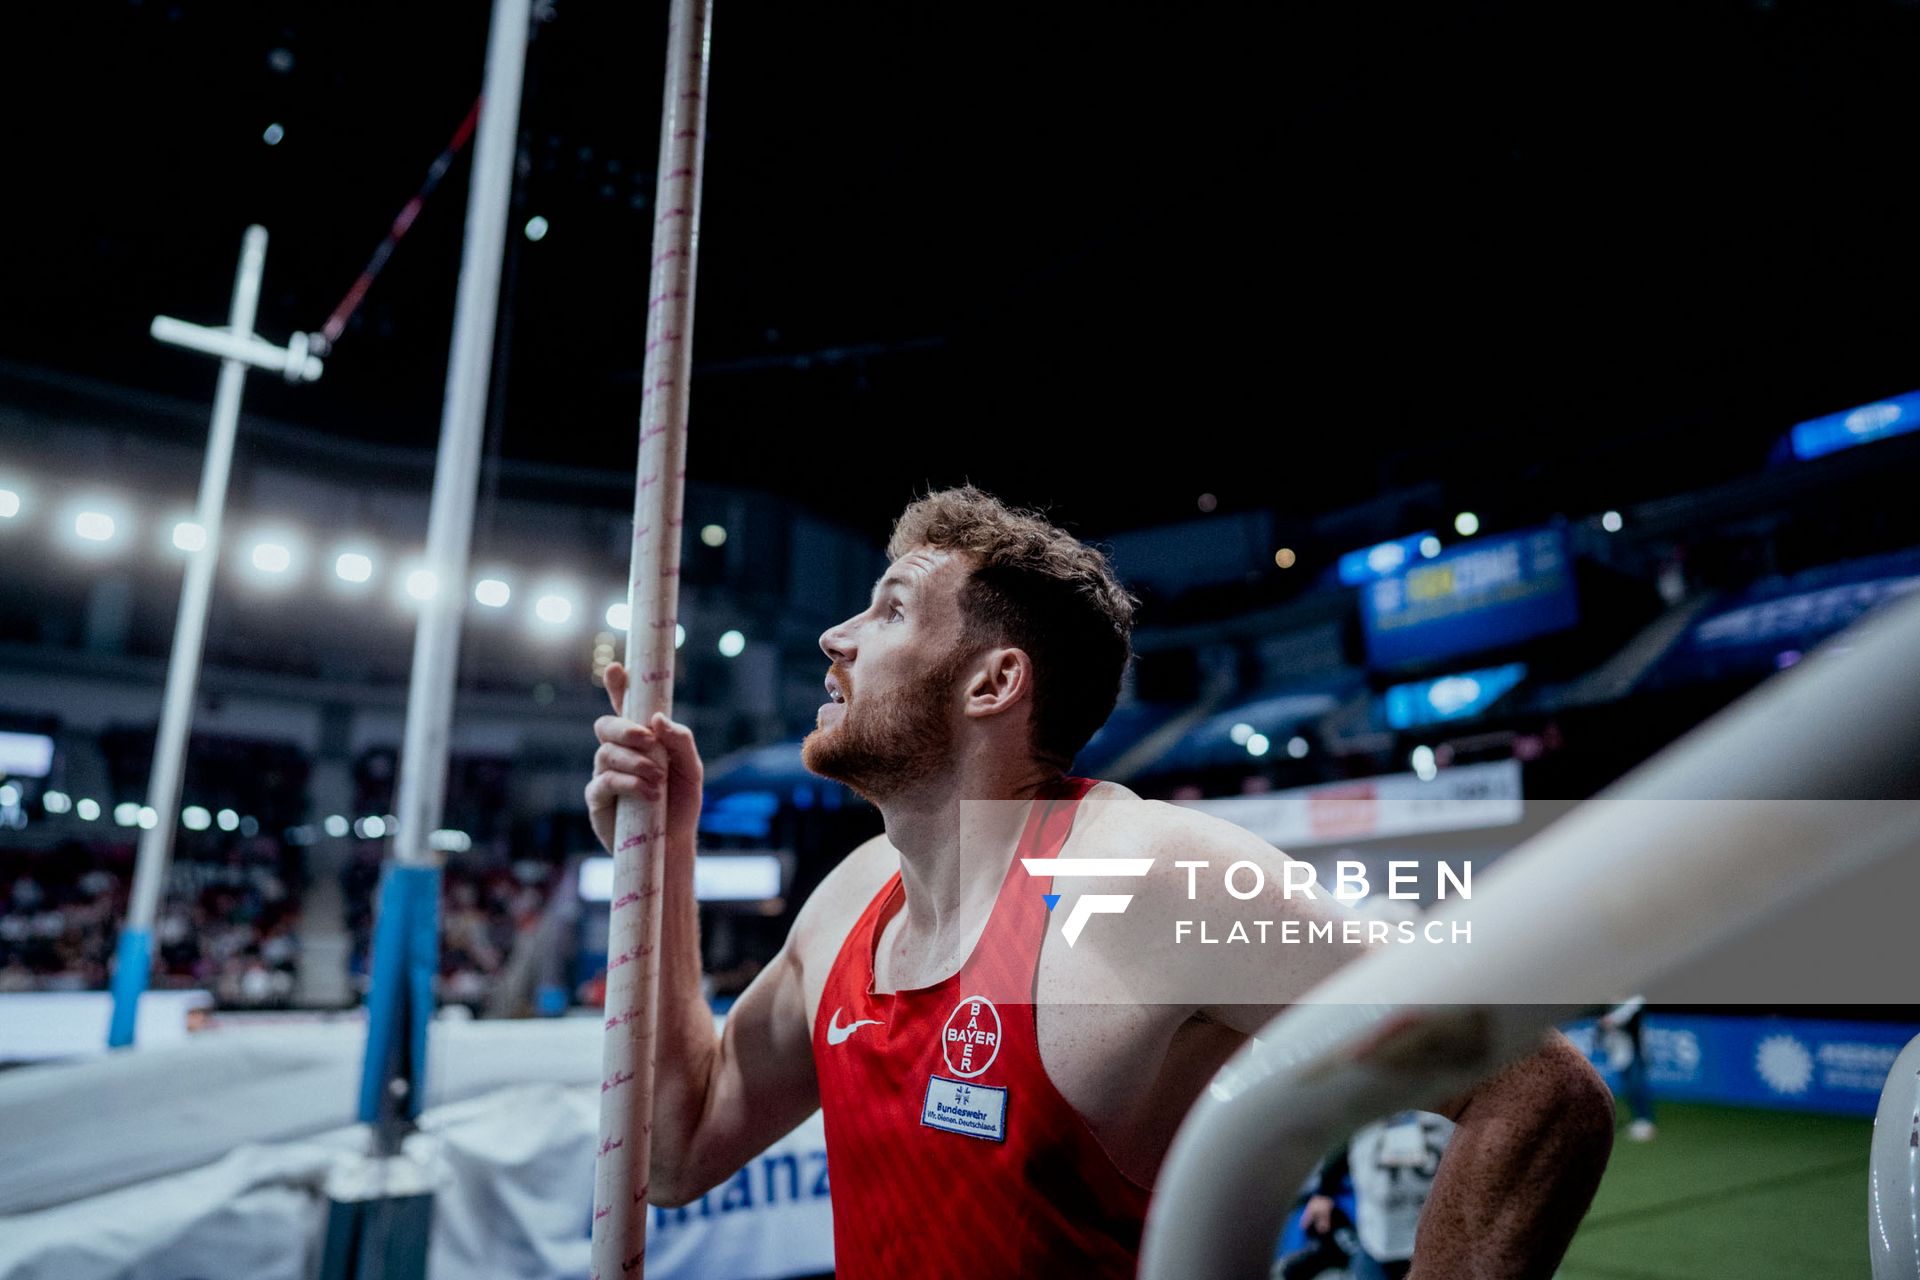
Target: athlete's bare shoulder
1113	820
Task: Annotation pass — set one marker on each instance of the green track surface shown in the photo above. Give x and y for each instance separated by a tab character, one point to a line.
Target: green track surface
1726	1193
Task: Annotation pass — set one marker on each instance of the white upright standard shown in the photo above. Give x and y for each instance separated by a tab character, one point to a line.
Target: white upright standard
238	349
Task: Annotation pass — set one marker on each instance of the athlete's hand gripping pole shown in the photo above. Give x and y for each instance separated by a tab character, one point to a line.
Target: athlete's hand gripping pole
633	971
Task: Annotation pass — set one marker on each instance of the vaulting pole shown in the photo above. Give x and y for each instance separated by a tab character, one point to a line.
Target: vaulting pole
633	962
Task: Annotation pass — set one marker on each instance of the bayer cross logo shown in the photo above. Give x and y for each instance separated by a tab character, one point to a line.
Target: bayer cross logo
1087	904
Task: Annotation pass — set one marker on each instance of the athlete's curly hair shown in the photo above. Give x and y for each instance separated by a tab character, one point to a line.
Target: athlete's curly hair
1036	587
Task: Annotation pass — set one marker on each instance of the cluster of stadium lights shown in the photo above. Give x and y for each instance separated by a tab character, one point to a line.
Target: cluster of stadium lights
1466	524
198	818
276	558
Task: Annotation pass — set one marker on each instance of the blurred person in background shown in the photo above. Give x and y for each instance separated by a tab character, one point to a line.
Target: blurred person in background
1623	1039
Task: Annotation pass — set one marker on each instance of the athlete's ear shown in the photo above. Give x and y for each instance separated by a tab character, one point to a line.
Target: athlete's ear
999	679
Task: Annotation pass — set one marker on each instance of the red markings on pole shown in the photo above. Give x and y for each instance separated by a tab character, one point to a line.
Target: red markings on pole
660	624
648	480
664	338
640	1196
625	900
687	133
677	521
678	173
641	837
631	1263
655	677
671	293
622	1019
670	573
673	213
692	93
615	1080
611	1144
600	1211
628	957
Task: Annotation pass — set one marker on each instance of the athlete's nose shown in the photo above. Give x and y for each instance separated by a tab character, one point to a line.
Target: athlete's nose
836	642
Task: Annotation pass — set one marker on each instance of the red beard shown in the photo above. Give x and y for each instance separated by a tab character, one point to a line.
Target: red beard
881	746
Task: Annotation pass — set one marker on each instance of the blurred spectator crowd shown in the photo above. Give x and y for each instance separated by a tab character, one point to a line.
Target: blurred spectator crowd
226	926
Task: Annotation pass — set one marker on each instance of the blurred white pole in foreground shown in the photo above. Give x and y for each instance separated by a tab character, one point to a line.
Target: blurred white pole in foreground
1650	895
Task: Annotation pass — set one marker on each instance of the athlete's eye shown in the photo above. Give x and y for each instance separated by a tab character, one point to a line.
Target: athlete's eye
895	613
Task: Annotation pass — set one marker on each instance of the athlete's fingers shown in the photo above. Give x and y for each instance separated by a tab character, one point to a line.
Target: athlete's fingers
678	740
616	759
617	687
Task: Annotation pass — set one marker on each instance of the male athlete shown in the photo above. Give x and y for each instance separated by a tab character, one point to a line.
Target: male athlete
997	1102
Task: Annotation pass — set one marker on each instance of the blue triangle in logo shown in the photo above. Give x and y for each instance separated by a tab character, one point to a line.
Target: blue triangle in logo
1053	900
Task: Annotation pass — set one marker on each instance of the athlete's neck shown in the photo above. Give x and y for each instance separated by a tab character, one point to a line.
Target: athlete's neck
955	833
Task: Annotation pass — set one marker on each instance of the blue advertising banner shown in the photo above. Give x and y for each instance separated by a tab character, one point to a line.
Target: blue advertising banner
1817	437
1480	595
1455	697
1384	559
1795	1064
1774	622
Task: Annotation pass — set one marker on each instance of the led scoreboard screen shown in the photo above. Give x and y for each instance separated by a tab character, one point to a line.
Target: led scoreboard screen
1481	595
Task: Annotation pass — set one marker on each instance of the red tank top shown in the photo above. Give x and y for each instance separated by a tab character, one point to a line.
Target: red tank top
949	1151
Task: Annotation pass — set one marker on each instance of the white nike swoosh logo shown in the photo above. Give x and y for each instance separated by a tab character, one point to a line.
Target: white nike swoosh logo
837	1034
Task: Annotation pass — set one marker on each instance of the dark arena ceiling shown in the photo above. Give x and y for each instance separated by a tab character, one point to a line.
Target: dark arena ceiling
1099	257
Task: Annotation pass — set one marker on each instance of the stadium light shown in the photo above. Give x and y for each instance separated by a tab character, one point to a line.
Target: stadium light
56	802
619	615
1258	744
422	584
1240	733
1611	522
492	592
713	535
1466	524
335	825
188	536
371	827
1285	558
148	817
1424	766
9	795
273	134
1429	547
555	606
195	818
1297	747
226	820
536	228
88	810
94	525
274	559
732	644
249	826
679	635
447	840
9	503
126	814
353	567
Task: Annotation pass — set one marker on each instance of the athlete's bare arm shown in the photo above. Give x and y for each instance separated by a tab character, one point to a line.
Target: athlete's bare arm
1532	1140
719	1097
